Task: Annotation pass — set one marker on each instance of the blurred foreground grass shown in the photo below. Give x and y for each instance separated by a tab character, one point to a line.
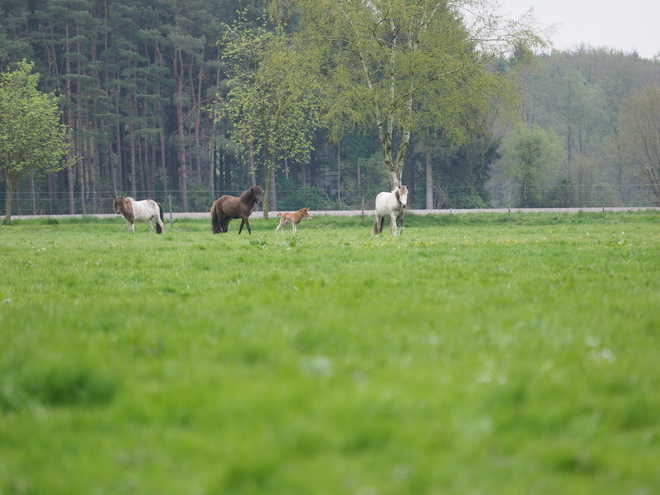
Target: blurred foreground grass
470	355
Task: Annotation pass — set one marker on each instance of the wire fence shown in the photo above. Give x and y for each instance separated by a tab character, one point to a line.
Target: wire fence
448	198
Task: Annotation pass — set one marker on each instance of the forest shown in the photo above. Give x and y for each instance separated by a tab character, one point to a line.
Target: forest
155	96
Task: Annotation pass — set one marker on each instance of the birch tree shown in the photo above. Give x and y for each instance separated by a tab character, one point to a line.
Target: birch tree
403	63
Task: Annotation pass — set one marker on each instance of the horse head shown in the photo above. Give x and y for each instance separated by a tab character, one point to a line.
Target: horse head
401	194
256	194
118	204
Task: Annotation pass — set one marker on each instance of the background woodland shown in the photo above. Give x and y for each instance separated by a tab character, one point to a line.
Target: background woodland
139	82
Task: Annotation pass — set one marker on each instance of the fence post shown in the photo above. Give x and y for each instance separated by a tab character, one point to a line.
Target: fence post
509	191
362	201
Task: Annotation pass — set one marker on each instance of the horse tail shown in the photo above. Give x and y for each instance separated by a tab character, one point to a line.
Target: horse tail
215	221
159	229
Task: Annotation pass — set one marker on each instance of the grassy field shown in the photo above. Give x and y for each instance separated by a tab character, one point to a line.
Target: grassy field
469	356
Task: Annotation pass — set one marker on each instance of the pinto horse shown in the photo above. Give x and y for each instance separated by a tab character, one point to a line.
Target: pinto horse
226	208
393	204
145	210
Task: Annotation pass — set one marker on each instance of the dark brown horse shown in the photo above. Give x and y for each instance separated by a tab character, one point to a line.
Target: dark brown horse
225	208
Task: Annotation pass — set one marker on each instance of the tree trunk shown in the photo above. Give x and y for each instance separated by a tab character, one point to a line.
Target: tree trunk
11	187
197	109
69	176
120	163
251	171
429	181
133	175
339	173
394	167
270	172
113	175
273	190
81	182
163	152
179	72
33	195
654	182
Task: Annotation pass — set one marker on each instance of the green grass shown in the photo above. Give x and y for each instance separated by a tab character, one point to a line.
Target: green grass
471	355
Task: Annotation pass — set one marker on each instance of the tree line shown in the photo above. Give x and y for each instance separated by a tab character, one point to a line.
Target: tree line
324	103
589	131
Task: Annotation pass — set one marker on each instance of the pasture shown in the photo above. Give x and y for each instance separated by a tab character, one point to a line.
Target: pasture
470	355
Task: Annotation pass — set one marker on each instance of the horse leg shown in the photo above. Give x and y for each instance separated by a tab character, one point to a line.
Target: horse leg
393	223
160	228
151	226
131	226
215	221
377	225
240	229
295	227
224	222
247	224
401	229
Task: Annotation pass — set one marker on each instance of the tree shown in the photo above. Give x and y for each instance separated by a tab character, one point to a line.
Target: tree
531	157
639	125
32	139
275	106
405	63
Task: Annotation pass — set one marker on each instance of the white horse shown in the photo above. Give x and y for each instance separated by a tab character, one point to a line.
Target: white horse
392	204
140	211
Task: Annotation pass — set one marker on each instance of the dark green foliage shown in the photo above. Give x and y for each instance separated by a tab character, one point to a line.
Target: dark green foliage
200	198
305	197
137	79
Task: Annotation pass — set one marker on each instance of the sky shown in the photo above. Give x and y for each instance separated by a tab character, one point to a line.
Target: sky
626	26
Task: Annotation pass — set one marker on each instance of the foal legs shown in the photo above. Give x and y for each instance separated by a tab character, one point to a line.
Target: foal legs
131	226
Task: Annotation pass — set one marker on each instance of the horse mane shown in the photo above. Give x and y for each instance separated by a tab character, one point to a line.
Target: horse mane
122	199
250	193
